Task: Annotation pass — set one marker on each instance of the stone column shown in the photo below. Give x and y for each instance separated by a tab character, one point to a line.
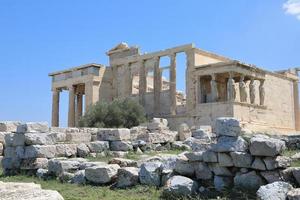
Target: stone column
128	79
173	84
252	91
191	81
296	105
199	92
157	86
142	82
261	92
214	89
71	113
230	88
242	87
78	108
91	91
55	108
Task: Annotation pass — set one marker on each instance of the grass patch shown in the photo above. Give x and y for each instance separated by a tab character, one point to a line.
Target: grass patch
88	192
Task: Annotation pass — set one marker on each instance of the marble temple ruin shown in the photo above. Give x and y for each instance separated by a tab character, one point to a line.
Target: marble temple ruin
216	86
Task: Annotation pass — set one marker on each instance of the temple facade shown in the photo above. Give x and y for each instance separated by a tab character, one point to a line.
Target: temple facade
216	86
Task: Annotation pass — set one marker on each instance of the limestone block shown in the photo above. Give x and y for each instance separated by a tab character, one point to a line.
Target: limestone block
157	124
78	137
8	139
27	191
229	144
39	138
180	146
277	162
33	127
158	137
222	182
2	137
59	165
40	151
14	152
15	139
184	167
203	134
271	176
136	131
249	181
210	156
184	132
42	173
121	146
225	160
227	126
127	177
79	177
9	126
296	174
11	163
219	170
116	134
117	154
98	146
34	163
59	136
102	174
258	164
293	194
194	156
274	191
180	186
264	146
241	159
1	149
287	174
202	171
197	144
122	162
83	150
66	150
150	173
65	177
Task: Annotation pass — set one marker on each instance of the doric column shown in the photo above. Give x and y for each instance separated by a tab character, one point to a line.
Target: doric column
230	88
296	106
55	108
128	80
261	92
242	88
214	89
199	92
252	91
78	108
71	113
173	84
91	91
157	86
191	80
142	82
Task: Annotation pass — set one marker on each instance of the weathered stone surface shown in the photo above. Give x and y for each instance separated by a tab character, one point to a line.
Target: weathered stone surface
150	173
101	174
11	163
59	165
184	132
121	146
197	144
127	177
15	139
78	137
229	144
40	151
296	174
65	177
42	173
194	156
136	131
117	134
9	126
117	154
2	136
278	162
33	127
202	171
248	181
179	186
183	167
293	194
227	126
66	150
203	133
34	163
39	138
83	150
222	182
122	162
180	145
79	177
271	176
162	136
26	191
258	164
219	170
225	160
210	156
265	146
157	124
98	146
274	191
241	159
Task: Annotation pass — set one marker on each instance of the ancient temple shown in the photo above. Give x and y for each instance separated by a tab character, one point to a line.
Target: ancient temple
216	86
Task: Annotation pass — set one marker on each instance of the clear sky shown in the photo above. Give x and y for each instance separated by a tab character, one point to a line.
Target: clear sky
38	37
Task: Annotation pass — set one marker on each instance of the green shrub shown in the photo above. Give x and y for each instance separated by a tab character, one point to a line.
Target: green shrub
119	113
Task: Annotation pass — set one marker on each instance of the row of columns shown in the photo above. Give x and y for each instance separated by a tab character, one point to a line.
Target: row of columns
75	108
231	93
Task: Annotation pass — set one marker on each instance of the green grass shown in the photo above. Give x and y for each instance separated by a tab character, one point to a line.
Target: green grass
87	192
290	153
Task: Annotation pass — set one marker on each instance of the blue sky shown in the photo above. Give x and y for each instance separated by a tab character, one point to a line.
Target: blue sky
38	37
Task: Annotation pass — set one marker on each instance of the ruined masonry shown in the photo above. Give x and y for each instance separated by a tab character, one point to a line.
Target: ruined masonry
215	87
